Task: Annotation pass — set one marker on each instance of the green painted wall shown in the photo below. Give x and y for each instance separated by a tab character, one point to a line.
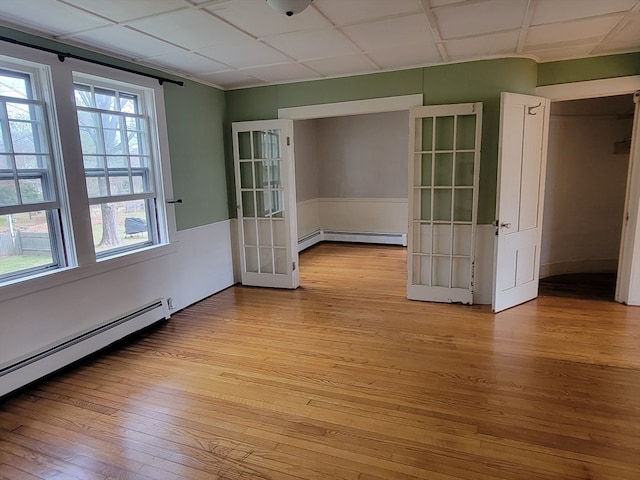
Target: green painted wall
195	116
580	70
481	81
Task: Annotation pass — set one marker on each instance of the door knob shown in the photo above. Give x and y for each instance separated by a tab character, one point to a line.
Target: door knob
505	225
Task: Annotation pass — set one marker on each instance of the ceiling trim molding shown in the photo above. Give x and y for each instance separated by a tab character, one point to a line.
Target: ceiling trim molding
356	107
590	89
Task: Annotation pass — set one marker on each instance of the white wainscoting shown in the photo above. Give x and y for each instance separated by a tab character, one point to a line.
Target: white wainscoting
485	253
308	218
199	264
364	220
363	215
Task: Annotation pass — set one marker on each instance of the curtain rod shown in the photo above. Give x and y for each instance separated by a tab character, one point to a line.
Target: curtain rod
64	55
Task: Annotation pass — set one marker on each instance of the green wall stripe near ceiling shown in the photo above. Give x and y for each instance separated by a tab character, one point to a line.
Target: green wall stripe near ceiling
594	68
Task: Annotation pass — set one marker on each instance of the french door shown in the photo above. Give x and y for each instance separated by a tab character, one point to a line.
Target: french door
265	196
444	159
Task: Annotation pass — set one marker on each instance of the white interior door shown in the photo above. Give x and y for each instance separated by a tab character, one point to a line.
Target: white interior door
444	159
265	195
521	175
628	282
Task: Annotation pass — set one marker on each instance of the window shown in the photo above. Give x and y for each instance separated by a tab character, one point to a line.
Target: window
53	216
114	126
30	212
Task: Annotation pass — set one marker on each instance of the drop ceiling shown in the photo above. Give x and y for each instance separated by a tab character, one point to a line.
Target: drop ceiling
243	43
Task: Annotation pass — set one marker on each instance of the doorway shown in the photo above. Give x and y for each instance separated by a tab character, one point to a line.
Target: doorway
349	212
587	170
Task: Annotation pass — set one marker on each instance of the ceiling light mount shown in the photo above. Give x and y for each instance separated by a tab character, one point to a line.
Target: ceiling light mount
289	7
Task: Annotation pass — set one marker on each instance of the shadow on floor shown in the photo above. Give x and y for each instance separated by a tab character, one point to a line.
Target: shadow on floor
601	286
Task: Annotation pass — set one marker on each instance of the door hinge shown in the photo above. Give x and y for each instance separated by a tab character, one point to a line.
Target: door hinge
288	141
293	266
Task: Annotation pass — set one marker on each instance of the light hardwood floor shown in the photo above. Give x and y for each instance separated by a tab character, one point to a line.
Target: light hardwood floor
345	379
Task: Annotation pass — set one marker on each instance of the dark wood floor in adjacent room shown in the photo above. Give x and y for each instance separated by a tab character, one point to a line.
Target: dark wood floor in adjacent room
345	379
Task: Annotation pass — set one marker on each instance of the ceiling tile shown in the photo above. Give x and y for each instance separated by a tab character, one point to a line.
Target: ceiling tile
125	41
475	18
552	11
397	31
313	44
191	29
50	17
121	10
245	54
260	20
440	3
357	11
280	73
486	45
232	79
345	65
630	32
406	55
593	28
189	62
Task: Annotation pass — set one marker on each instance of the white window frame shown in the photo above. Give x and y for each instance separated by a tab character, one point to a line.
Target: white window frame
76	223
154	200
55	208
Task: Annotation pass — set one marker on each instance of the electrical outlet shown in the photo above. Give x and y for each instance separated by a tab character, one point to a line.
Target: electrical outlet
170	303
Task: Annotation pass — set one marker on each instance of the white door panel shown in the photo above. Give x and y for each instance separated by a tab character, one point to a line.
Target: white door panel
521	171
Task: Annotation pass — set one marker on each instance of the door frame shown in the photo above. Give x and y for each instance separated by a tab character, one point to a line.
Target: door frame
630	232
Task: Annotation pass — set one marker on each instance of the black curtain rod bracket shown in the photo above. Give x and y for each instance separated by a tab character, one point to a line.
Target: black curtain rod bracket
62	56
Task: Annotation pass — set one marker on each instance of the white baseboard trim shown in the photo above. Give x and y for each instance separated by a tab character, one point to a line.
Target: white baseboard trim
356	237
366	237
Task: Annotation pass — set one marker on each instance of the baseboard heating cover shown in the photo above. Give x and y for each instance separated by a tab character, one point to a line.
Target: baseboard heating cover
356	237
53	358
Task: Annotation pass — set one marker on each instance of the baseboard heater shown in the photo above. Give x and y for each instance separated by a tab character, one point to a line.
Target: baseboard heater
356	237
51	359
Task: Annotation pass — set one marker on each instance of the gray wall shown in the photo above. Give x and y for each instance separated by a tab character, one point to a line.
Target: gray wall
363	156
306	153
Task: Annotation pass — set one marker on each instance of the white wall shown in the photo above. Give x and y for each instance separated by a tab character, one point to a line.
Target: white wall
585	186
196	265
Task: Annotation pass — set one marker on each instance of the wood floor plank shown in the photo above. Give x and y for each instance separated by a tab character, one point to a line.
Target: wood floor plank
344	378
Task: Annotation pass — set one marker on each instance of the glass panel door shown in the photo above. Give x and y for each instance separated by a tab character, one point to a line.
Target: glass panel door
443	175
266	213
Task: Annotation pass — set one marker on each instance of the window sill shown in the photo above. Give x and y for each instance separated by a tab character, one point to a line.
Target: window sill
43	281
